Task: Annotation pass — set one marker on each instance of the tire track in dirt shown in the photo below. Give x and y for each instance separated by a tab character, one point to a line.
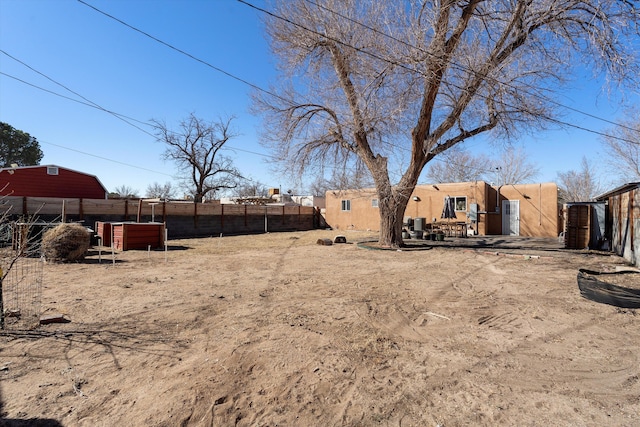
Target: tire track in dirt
250	358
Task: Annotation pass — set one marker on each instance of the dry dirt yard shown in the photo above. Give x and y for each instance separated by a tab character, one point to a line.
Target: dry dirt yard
276	330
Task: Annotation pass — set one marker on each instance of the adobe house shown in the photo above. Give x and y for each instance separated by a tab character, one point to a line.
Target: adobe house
50	181
622	220
515	209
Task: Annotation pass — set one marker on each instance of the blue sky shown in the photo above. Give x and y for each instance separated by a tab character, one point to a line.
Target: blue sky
130	74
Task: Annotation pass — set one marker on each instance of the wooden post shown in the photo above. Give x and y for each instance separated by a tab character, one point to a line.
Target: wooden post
139	215
630	219
195	214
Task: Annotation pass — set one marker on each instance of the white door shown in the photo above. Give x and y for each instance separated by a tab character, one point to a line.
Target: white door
511	217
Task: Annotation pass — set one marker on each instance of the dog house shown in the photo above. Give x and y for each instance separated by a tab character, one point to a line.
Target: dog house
103	231
137	235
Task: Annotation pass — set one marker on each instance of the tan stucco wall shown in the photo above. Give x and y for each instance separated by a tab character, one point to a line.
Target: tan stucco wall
538	210
431	201
361	216
432	198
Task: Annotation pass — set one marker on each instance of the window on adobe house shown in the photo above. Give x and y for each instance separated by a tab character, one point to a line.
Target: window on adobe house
346	205
374	203
461	204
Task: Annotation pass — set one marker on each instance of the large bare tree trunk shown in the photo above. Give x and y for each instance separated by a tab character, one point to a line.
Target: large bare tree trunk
392	203
390	227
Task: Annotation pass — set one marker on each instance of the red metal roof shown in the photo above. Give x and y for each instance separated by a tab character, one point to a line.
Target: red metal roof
50	181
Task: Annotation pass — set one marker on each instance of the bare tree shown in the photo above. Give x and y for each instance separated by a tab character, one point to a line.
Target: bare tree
248	188
623	145
26	246
160	191
319	186
195	147
125	192
458	165
365	80
579	186
340	180
513	168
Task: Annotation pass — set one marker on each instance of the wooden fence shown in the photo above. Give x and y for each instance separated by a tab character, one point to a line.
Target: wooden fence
183	219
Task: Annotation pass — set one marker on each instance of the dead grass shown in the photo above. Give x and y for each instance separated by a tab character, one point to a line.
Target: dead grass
65	243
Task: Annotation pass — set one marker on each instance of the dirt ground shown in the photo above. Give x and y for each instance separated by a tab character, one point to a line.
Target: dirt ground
276	330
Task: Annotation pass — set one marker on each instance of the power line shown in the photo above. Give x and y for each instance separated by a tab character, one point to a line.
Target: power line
172	47
378	57
226	148
271	157
87	104
288	101
235	77
93	105
119	117
467	69
105	158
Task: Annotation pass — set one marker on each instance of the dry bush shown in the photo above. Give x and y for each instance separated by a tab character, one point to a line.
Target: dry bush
65	242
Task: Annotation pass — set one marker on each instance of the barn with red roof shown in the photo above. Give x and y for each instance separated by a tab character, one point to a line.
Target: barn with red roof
50	181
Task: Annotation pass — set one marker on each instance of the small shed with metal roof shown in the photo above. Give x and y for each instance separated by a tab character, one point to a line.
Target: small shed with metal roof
623	220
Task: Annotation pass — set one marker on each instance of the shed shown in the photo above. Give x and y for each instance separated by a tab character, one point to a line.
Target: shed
584	225
623	220
50	181
137	235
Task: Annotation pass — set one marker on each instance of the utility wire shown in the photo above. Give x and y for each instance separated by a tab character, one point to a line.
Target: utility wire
270	157
226	148
75	100
288	101
94	105
378	57
116	114
195	58
73	92
467	69
121	116
105	158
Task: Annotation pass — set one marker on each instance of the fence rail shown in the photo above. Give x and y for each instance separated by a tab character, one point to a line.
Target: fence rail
183	219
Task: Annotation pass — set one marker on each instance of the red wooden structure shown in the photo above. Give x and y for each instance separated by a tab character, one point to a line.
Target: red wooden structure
103	230
50	181
137	235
